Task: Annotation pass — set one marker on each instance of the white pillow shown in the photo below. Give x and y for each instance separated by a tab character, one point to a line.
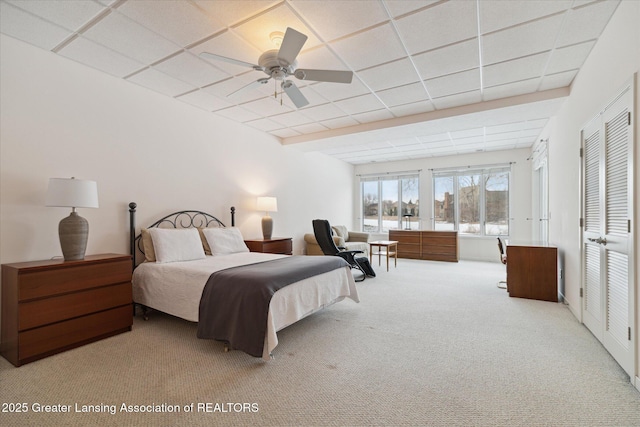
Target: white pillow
171	245
225	240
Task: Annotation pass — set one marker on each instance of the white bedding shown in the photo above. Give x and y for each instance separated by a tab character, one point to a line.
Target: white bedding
175	288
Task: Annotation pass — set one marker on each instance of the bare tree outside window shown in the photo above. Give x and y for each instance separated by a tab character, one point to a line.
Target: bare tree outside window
387	200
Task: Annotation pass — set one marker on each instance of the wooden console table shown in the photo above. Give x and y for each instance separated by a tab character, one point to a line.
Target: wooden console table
426	244
532	270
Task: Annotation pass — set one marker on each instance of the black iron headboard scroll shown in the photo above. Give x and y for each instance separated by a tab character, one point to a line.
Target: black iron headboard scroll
180	219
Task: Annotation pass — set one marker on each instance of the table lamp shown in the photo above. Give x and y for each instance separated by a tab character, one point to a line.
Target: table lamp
73	230
267	204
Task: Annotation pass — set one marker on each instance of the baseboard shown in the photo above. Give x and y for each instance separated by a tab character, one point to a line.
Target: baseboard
637	384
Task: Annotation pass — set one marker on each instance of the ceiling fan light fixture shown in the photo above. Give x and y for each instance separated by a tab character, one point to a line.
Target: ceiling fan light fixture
276	38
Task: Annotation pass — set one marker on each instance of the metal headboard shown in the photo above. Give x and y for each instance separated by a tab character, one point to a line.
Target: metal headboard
180	219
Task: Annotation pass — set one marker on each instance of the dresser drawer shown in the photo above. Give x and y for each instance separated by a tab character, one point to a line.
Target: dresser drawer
39	284
58	337
44	311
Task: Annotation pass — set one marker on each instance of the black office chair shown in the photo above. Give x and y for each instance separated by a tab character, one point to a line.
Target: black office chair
503	259
322	231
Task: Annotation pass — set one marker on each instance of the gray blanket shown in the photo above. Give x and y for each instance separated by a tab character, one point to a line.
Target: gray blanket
234	306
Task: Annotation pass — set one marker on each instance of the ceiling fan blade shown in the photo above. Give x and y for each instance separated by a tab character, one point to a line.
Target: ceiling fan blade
325	75
294	94
250	85
207	55
291	45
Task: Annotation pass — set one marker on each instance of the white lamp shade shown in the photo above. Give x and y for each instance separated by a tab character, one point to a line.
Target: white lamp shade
268	204
71	192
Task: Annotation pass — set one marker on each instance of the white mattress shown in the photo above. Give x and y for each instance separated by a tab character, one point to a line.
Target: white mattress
175	288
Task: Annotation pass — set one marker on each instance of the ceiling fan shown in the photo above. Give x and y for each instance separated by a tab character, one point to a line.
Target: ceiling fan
281	63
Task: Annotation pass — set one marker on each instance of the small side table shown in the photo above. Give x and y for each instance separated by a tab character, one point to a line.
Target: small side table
390	250
275	245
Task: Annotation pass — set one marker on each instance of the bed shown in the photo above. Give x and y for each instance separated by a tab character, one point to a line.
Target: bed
202	288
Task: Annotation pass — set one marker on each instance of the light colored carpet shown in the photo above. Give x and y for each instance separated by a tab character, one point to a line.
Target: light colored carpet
436	344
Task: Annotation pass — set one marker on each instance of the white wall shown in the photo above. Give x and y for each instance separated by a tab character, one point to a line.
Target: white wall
471	247
613	61
62	119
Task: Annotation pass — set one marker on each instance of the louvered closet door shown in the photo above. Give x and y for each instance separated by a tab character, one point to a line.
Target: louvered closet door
608	297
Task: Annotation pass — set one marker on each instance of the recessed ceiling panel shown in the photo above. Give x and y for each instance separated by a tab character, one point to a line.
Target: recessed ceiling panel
535	37
191	69
202	99
515	70
553	81
358	51
359	104
450	59
454	83
24	26
424	30
232	12
499	14
511	89
160	82
397	73
569	58
232	46
341	17
97	56
402	7
130	39
70	14
586	23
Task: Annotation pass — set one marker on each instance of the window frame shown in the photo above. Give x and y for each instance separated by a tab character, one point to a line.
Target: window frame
483	172
379	179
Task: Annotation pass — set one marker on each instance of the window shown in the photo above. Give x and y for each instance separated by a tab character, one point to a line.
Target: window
390	203
474	202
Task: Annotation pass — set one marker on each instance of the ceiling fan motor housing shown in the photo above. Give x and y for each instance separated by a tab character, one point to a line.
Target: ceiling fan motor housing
274	66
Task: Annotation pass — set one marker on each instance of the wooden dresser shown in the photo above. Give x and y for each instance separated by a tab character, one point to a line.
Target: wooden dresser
55	305
276	245
426	244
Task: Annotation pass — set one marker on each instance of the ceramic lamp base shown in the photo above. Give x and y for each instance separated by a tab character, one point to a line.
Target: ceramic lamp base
74	232
267	227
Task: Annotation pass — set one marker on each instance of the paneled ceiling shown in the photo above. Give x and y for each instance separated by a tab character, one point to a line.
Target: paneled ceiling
431	78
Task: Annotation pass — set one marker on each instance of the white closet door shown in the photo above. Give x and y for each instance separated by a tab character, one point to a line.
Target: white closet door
608	302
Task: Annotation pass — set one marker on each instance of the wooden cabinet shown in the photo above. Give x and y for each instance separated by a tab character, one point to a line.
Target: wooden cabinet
426	244
276	245
532	271
55	305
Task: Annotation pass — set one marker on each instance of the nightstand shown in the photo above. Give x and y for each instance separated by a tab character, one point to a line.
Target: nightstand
55	305
276	245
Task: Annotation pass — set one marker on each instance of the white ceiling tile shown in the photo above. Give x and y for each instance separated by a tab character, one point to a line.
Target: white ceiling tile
266	107
439	138
359	104
338	91
403	94
451	84
160	82
125	36
369	48
340	122
230	45
373	116
504	128
320	58
179	21
499	14
400	7
457	100
265	125
323	112
341	18
424	30
284	133
28	28
233	11
514	70
257	29
310	128
404	142
312	96
526	39
586	23
449	59
511	89
238	114
389	75
292	118
553	81
202	99
467	133
94	55
191	69
412	108
226	89
70	14
569	58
